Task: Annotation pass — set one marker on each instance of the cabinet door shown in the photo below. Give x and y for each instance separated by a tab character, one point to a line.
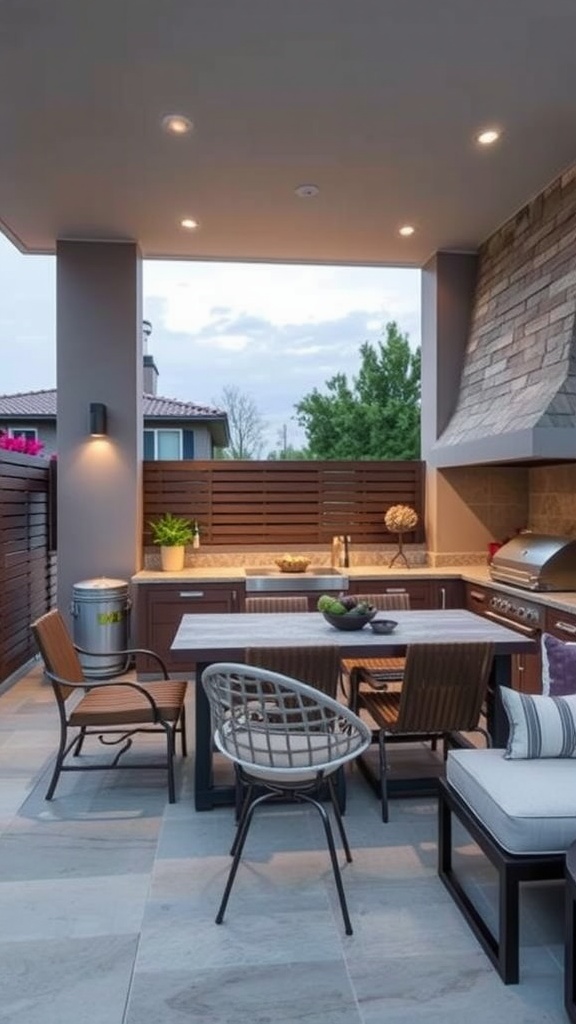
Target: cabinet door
418	590
160	608
447	593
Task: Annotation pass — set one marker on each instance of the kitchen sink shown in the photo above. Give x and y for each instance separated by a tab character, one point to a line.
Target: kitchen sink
321	579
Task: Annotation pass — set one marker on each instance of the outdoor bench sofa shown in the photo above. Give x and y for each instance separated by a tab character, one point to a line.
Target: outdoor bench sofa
522	814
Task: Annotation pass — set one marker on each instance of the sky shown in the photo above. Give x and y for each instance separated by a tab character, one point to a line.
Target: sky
274	331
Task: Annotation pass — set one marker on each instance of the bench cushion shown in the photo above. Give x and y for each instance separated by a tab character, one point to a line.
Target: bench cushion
528	806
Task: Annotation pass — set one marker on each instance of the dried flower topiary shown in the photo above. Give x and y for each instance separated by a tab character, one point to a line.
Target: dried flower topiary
400	519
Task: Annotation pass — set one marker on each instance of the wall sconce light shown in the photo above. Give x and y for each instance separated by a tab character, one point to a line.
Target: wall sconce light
98	426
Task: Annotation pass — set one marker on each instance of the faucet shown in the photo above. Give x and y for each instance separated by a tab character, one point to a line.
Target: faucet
340	551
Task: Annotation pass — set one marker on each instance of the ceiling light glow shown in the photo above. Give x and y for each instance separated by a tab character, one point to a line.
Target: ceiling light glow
177	124
488	136
189	223
307	191
406	230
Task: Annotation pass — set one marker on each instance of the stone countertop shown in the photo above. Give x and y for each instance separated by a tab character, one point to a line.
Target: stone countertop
237	574
561	600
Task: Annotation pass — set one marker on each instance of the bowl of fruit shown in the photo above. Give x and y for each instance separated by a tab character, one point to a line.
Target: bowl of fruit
345	612
293	563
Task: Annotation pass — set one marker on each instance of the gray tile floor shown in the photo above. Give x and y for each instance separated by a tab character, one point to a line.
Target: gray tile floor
108	896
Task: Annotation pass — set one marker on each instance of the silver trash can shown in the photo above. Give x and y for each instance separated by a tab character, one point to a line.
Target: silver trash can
100	610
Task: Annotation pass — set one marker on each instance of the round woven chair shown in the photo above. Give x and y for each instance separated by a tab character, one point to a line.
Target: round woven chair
286	738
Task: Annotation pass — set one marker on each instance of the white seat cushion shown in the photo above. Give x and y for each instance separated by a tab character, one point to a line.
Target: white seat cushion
528	806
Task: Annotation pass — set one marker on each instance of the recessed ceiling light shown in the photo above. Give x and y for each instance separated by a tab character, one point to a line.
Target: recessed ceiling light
177	124
488	136
189	223
307	191
406	230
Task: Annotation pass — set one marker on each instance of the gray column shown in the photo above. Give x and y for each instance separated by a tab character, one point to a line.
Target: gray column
99	359
448	281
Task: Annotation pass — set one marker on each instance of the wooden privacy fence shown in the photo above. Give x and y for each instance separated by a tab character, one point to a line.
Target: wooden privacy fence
27	563
249	503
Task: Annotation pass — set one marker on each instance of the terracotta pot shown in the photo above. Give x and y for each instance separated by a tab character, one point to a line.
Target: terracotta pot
172	558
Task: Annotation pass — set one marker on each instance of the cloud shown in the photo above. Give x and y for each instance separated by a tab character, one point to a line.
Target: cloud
274	331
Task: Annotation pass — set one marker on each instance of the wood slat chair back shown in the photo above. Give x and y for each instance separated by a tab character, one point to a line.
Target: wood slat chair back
57	650
317	666
444	687
276	604
442	693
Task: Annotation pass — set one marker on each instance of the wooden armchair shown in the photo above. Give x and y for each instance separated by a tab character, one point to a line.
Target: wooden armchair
377	672
442	693
113	711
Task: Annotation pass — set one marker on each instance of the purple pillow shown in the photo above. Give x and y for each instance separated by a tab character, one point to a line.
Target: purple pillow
558	667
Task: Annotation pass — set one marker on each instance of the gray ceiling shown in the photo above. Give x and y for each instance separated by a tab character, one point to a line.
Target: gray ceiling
374	101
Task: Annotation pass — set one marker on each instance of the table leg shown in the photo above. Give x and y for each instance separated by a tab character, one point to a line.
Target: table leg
206	794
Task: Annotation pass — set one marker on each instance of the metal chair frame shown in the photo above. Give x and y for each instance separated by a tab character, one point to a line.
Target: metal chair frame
64	670
286	738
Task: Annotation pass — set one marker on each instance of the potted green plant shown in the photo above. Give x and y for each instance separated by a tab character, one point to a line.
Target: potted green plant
172	533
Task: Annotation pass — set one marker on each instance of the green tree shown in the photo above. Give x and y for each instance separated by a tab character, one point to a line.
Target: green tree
377	416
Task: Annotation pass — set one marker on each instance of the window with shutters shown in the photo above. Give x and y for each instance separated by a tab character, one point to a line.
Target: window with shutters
163	444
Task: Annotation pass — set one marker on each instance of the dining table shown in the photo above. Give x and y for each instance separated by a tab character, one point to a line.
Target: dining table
203	639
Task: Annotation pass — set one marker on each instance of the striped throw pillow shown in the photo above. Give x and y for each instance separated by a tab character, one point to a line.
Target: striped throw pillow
539	726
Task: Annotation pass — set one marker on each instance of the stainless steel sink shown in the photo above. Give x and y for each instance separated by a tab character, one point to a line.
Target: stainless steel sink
322	579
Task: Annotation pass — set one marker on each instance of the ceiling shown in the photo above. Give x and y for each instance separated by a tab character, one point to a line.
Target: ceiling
376	102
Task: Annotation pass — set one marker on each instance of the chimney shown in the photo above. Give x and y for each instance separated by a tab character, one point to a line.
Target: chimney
150	376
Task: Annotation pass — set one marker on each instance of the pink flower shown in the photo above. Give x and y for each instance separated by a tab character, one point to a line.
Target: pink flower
22	445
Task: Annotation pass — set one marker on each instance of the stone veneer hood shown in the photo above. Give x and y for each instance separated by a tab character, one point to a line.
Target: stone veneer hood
517	396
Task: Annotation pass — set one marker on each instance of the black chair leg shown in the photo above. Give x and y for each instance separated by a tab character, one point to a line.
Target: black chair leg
241	815
77	747
183	739
383	776
170	744
333	858
239	846
58	766
338	816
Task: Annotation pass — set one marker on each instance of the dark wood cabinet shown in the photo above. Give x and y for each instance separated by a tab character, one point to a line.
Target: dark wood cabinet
159	608
447	593
560	624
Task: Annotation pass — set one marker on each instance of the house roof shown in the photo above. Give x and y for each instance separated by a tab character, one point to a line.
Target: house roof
38	405
376	102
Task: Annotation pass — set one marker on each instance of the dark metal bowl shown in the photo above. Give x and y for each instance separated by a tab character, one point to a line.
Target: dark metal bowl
349	620
383	625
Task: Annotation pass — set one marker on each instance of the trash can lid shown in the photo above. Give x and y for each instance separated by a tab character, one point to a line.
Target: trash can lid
100	583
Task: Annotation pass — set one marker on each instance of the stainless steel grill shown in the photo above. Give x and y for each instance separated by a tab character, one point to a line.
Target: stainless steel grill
535	561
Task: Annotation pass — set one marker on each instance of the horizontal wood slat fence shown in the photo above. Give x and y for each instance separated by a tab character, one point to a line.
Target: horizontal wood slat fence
250	503
27	563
